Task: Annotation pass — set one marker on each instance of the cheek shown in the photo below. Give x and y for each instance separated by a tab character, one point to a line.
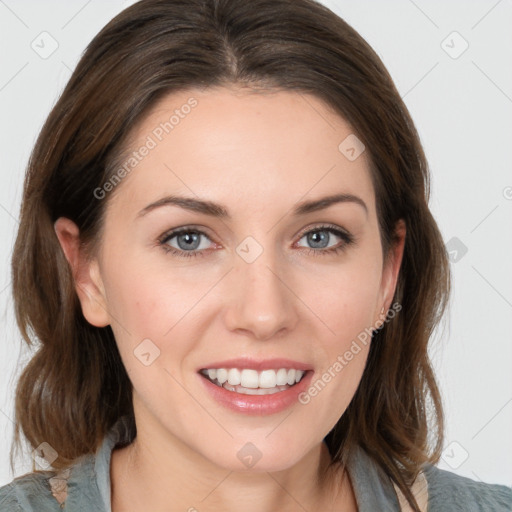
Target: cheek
342	299
149	301
154	336
151	314
344	302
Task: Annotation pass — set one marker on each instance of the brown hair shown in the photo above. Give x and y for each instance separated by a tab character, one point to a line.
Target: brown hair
75	387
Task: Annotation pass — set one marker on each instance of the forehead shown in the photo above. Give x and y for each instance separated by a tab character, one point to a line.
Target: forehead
242	148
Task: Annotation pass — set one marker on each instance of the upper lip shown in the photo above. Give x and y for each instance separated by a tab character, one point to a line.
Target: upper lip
258	364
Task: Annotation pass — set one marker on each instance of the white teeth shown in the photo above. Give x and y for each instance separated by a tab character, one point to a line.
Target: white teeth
249	379
252	379
222	375
268	379
234	377
282	377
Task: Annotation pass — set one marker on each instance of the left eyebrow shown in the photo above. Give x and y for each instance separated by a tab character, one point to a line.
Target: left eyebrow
312	206
220	211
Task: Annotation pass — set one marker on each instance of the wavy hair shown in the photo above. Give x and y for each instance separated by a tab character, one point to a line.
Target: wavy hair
75	386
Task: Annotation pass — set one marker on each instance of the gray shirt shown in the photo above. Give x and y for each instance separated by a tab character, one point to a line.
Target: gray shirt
88	486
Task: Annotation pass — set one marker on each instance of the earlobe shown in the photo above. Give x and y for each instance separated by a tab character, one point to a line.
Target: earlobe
88	283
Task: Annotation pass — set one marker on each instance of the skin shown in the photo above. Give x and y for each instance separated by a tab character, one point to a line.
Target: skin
257	154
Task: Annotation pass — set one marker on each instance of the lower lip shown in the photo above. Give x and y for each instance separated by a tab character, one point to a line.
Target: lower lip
258	405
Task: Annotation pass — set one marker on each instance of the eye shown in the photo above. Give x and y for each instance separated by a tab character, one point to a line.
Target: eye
320	237
185	242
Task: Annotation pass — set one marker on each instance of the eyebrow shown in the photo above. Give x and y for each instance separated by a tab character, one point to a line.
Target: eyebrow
220	211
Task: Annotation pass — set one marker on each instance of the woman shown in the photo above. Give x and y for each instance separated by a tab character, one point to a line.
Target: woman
226	252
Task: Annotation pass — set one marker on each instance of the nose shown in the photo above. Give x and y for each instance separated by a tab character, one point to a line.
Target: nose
261	300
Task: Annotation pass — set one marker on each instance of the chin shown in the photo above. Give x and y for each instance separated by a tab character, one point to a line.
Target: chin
257	455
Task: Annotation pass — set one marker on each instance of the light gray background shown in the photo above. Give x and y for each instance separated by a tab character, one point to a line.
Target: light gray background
462	108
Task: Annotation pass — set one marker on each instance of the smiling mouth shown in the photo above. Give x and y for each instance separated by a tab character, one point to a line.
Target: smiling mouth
252	382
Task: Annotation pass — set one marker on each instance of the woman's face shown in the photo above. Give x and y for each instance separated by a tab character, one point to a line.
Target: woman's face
256	273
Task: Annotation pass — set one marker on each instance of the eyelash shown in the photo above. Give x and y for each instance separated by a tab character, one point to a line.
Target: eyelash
347	238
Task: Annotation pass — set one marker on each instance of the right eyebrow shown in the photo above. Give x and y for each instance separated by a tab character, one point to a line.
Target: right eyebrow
188	203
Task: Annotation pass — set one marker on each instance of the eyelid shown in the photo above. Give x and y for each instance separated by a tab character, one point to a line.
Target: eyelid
171	233
320	226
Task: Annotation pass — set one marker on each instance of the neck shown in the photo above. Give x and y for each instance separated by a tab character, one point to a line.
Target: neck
158	472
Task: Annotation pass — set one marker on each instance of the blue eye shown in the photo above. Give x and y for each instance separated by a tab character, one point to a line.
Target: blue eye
321	236
189	241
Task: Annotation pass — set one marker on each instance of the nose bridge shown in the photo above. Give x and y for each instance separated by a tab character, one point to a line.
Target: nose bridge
261	301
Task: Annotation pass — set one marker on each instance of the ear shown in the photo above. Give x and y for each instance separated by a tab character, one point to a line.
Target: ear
391	269
88	283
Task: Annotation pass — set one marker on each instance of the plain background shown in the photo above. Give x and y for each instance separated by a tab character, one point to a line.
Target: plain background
461	102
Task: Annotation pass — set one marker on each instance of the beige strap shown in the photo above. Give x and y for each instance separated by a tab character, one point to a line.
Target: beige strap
59	486
420	491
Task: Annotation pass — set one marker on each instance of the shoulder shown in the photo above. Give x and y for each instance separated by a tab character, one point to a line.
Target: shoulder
28	493
85	485
448	491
